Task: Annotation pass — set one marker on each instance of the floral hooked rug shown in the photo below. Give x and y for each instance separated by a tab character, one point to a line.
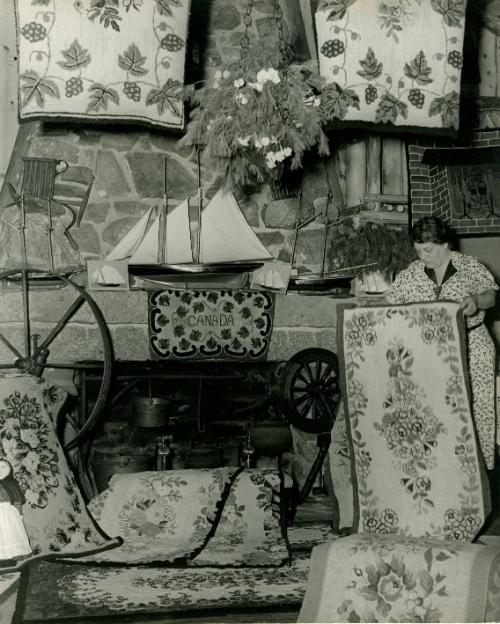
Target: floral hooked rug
417	468
382	578
56	591
217	517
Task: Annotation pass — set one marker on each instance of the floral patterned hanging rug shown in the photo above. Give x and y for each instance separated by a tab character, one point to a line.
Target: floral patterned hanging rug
417	467
392	62
103	60
54	512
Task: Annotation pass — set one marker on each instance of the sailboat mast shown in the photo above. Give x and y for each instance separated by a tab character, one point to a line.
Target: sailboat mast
196	254
162	229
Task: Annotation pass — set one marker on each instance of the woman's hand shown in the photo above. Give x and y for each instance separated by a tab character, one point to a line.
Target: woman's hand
469	306
479	301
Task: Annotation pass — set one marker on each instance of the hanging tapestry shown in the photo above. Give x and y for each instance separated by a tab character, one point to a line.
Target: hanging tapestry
102	60
201	324
417	468
206	517
380	578
475	194
54	512
392	62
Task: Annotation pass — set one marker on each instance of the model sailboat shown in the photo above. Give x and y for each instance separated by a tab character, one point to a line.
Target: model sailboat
167	246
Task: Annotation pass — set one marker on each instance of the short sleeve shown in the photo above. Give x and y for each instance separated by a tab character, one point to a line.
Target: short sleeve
399	291
482	277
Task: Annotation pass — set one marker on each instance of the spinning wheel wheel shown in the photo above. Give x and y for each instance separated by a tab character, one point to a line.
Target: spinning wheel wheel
35	357
309	389
310	395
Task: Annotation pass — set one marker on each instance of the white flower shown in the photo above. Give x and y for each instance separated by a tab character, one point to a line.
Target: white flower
258	142
226	74
31	462
28	436
241	99
268	74
280	156
218	75
271	160
229	118
244	140
31	498
287	151
216	85
239	83
256	85
316	102
265	141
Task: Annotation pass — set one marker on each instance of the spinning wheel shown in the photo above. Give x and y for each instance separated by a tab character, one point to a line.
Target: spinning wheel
310	396
309	389
35	357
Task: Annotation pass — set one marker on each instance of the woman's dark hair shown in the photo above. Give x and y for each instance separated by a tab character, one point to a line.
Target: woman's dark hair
431	230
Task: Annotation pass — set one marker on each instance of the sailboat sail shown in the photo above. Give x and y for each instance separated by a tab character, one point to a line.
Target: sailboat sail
225	233
225	236
131	241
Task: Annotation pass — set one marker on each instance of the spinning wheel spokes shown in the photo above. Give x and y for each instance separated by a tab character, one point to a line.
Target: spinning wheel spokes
309	389
36	357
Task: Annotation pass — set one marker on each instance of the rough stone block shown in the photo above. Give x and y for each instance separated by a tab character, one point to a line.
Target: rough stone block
130	342
110	177
148	174
87	238
96	213
306	311
282	213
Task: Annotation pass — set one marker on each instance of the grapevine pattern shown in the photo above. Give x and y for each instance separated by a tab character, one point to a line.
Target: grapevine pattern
138	83
391	96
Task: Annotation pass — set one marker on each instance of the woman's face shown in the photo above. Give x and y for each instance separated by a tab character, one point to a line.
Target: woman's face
4	470
433	255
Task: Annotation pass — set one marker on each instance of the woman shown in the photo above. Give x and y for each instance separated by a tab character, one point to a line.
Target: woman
441	273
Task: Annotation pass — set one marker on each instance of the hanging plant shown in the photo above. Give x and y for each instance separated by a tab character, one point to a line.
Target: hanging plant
258	117
355	244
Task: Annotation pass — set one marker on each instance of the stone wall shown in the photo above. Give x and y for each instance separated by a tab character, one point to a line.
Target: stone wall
300	322
128	167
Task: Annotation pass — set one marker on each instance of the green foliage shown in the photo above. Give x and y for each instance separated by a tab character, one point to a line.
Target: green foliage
371	242
252	122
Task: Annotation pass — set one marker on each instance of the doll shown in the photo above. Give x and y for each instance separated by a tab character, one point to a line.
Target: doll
14	543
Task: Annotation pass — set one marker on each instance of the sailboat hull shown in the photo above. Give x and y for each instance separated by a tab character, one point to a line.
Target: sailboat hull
192	268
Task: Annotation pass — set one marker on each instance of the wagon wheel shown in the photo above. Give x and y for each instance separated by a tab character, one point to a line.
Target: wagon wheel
309	390
35	357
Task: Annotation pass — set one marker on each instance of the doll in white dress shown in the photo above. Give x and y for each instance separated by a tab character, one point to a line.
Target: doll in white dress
14	542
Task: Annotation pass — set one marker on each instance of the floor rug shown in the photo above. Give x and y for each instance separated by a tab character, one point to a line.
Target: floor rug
56	591
417	468
216	517
382	578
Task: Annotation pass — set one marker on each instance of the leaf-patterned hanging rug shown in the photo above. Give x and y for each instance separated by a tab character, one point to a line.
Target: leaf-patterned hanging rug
102	60
392	62
202	324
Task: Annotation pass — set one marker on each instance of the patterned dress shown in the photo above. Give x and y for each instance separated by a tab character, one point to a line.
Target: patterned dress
464	276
